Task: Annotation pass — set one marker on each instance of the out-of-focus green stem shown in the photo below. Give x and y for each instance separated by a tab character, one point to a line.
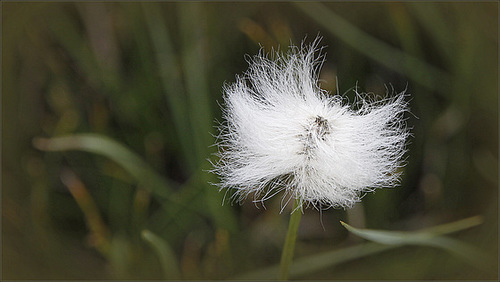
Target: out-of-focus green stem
171	78
291	238
192	23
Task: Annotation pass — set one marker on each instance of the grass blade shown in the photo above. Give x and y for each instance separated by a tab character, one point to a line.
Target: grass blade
425	238
310	264
105	146
165	254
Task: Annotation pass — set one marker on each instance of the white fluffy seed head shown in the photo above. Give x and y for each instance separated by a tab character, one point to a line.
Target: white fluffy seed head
281	132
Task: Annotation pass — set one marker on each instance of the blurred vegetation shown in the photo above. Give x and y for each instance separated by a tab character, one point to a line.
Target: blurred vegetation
130	92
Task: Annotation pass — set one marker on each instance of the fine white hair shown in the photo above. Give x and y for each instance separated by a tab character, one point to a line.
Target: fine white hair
282	132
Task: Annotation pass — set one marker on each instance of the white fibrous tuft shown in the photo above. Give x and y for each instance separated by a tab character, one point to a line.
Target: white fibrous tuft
281	132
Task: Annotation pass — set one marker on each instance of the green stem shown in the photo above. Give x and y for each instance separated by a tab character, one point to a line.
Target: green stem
291	237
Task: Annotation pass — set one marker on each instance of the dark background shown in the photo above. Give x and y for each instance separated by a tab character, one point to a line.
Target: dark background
150	76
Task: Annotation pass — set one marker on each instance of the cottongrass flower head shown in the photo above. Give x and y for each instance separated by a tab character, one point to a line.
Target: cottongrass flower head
282	132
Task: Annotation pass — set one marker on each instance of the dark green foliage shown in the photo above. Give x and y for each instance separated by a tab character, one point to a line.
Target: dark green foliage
149	76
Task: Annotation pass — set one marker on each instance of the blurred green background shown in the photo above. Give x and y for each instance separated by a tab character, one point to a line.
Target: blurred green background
146	80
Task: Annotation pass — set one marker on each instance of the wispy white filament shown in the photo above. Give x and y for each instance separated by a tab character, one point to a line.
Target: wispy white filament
281	132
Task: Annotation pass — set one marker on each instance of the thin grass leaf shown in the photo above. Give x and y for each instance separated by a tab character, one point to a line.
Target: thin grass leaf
165	254
105	146
455	226
310	264
177	205
390	237
425	238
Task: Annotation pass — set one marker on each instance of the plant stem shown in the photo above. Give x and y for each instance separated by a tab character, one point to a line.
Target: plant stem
291	237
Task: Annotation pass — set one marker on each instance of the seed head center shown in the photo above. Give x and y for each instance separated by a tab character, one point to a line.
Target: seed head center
316	132
320	127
